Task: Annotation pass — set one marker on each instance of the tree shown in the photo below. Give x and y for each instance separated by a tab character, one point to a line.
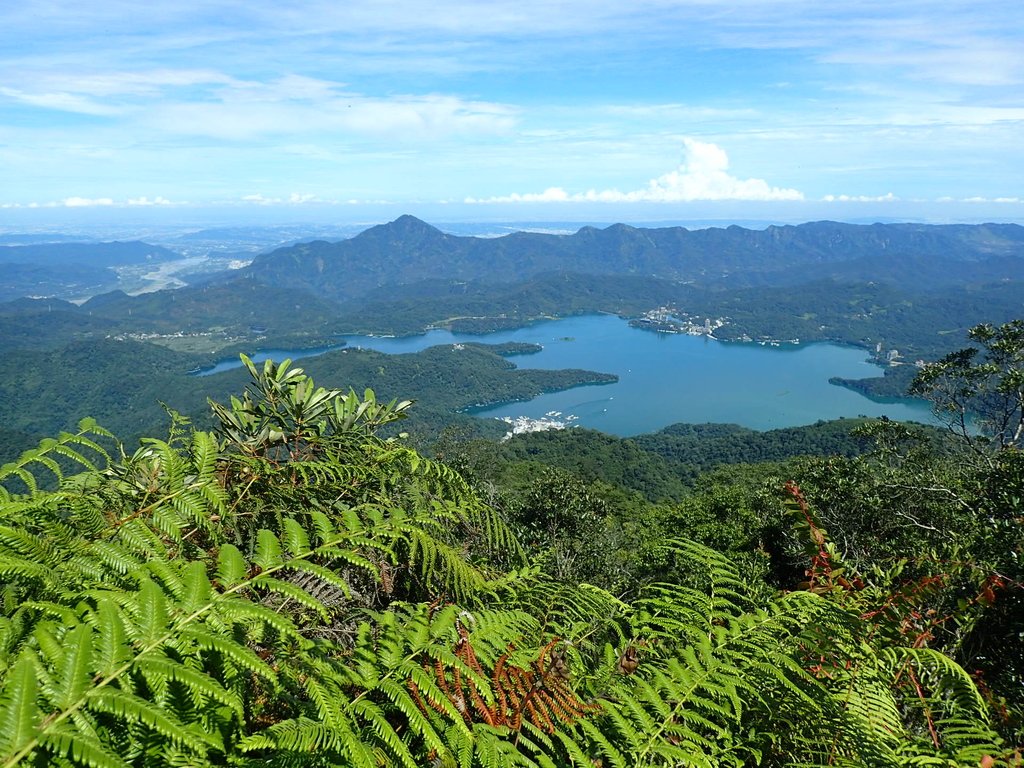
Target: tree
981	388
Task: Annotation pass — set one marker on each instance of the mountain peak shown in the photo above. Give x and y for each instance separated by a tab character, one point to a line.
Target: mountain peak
405	229
409	225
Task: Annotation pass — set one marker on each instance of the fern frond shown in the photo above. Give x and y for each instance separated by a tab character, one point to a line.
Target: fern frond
74	448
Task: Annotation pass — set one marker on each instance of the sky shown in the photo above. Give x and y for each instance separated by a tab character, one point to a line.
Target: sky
639	110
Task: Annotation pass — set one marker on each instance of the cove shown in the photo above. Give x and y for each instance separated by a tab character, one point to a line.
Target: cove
670	378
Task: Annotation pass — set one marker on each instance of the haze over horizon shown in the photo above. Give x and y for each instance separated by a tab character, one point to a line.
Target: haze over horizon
654	110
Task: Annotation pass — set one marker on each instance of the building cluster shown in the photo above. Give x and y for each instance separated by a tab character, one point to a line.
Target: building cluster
671	320
550	420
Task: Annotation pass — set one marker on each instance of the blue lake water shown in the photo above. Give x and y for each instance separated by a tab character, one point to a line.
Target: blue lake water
670	378
268	354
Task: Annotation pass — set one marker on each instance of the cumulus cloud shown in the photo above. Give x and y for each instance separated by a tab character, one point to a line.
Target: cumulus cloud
977	199
94	202
703	175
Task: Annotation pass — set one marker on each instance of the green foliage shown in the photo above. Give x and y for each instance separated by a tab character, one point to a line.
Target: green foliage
77	450
288	416
297	590
987	393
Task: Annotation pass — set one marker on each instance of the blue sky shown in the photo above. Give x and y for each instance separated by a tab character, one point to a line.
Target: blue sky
638	110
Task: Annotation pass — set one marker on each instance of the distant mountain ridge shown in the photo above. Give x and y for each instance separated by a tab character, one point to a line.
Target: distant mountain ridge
112	254
408	250
70	270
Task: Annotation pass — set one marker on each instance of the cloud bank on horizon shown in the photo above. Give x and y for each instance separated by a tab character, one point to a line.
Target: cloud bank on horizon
851	105
702	176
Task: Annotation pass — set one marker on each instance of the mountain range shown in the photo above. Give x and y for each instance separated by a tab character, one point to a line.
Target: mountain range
407	251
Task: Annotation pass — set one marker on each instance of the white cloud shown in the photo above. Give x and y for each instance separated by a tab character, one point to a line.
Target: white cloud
64	102
293	199
86	202
95	202
295	106
703	175
978	199
888	197
146	201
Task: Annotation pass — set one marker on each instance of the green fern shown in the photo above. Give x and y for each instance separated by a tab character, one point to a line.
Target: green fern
79	450
297	591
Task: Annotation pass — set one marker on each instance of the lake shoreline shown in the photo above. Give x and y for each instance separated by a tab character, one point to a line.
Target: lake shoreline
663	378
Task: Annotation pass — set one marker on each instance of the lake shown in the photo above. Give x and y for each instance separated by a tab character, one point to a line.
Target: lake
669	378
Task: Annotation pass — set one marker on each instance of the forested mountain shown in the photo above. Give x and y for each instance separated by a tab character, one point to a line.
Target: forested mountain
268	573
661	465
18	280
894	287
857	284
408	250
234	306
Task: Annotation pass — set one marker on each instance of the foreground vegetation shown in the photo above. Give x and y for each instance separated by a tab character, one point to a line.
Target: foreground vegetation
293	588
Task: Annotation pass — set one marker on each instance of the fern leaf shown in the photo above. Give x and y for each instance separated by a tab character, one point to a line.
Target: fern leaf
80	749
152	614
233	651
75	675
126	706
112	649
231	566
23	570
604	746
268	550
296	542
292	592
324	575
197	592
19	707
200	685
251	614
385	732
